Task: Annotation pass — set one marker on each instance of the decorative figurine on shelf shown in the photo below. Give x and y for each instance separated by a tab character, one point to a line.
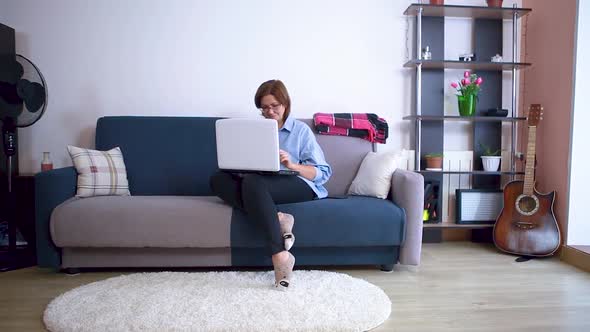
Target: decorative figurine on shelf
426	55
468	88
497	58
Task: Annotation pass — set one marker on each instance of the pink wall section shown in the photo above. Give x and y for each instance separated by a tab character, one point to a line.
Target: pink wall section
548	43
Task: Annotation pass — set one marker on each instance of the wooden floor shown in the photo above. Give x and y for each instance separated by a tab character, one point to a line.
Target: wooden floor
459	287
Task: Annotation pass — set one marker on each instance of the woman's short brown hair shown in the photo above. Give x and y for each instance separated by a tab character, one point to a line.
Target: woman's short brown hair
278	90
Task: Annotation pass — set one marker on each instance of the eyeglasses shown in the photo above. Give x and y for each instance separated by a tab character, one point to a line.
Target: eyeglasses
274	107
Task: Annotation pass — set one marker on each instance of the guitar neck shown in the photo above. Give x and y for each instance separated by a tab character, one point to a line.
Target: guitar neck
529	175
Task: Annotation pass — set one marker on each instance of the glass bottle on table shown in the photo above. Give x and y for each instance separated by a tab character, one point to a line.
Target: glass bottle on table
46	163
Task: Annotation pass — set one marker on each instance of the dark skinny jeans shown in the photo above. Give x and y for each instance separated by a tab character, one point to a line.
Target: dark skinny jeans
257	195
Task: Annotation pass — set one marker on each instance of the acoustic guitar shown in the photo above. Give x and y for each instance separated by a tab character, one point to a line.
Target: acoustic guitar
526	225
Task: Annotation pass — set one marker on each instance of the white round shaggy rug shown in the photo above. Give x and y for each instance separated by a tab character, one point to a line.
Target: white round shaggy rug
220	301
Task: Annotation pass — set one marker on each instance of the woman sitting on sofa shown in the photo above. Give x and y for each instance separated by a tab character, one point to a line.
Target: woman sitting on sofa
257	195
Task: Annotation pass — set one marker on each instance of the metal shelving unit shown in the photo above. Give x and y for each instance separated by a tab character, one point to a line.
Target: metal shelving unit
470	172
416	9
453	225
474	65
463	118
430	17
422	10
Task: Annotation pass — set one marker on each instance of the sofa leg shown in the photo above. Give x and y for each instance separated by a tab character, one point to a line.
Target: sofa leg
71	271
386	267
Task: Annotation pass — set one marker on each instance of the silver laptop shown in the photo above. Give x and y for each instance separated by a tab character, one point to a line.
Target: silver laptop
249	145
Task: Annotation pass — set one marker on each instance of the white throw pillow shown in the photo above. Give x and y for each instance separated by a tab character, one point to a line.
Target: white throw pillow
100	173
374	176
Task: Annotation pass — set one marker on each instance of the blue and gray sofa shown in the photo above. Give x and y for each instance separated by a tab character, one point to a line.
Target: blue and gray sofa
172	219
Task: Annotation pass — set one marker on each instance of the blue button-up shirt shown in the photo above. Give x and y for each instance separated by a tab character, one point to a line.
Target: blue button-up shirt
298	140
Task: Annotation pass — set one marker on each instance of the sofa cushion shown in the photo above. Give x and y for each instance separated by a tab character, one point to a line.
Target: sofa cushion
148	143
192	141
100	173
142	221
356	221
344	164
374	175
207	222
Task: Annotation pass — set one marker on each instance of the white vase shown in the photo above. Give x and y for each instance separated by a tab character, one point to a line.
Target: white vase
491	163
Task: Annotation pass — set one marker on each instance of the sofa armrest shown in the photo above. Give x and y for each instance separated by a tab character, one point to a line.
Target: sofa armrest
408	193
51	189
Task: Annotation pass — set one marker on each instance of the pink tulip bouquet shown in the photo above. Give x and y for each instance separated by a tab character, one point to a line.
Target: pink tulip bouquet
469	85
467	89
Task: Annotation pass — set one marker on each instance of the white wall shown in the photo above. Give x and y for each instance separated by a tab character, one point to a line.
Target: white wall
206	58
578	222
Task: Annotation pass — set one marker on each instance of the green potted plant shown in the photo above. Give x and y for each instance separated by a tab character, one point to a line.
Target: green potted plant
434	161
489	158
467	89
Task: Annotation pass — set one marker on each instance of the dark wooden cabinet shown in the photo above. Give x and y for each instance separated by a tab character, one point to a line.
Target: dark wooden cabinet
24	190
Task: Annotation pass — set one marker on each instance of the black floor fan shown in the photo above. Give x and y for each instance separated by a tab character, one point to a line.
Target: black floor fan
23	99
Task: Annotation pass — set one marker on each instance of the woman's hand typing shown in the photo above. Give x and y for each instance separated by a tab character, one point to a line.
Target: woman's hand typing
286	159
307	171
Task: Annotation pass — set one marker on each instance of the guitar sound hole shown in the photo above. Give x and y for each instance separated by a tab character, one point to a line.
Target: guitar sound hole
527	205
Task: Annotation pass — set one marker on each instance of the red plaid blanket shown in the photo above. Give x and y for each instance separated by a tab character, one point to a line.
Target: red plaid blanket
363	125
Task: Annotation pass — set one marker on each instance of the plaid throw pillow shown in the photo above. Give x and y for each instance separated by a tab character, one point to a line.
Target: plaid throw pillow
100	173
